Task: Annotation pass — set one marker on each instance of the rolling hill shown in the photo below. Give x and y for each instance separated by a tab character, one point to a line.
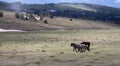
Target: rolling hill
59	23
85	16
89	7
71	10
89	11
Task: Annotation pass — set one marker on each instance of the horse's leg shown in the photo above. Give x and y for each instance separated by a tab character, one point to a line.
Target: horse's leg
82	49
88	48
85	48
73	49
78	49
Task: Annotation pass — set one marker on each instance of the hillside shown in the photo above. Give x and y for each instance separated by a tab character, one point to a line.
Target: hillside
71	10
59	23
90	12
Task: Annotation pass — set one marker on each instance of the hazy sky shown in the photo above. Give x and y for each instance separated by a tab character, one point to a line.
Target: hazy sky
113	3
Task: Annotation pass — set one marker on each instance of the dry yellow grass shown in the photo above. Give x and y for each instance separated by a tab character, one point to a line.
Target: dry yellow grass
10	22
52	48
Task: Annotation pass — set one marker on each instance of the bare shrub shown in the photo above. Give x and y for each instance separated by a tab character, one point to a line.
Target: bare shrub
62	53
70	19
45	21
1	14
43	51
52	56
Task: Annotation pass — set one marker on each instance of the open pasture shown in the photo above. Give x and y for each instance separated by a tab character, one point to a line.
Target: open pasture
52	48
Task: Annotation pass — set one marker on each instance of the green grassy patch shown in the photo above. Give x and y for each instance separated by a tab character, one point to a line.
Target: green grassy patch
52	48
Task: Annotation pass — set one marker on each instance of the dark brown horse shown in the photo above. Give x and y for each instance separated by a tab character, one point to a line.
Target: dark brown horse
75	46
88	45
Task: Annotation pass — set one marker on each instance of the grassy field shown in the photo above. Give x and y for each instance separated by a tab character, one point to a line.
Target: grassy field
59	23
52	48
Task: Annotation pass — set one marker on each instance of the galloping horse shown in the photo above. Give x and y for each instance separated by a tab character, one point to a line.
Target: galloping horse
88	45
79	47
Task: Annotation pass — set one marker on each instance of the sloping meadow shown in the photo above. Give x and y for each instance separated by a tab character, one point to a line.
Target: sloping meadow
52	48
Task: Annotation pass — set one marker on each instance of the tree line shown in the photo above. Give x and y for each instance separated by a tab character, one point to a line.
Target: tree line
103	13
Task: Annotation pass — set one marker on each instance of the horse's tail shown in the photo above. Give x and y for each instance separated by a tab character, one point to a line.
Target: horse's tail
89	46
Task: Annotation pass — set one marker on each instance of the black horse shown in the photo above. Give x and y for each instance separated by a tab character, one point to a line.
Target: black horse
88	45
79	47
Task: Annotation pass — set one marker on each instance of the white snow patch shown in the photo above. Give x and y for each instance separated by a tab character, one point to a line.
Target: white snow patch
11	30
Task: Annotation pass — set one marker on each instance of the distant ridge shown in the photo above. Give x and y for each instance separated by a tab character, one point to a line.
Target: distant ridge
71	10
